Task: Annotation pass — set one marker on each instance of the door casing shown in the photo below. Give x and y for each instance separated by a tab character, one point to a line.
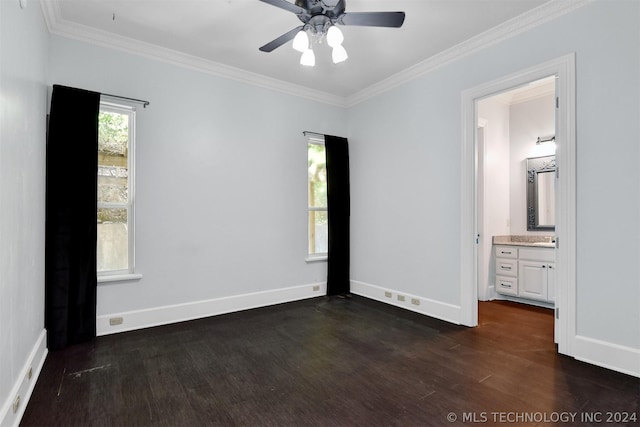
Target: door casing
564	70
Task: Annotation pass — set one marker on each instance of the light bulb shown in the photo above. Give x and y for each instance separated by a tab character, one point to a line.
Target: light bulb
301	41
339	54
308	58
334	36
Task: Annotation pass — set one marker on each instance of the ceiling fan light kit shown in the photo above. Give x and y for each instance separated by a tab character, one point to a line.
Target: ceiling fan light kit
308	58
319	18
334	36
301	41
339	54
334	40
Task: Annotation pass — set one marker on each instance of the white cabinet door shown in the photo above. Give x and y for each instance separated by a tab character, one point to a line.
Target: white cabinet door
532	276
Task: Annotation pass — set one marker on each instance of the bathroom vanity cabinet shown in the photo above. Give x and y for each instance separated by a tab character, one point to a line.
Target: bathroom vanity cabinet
525	272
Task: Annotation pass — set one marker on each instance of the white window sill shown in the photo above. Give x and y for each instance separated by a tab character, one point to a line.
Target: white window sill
319	258
119	278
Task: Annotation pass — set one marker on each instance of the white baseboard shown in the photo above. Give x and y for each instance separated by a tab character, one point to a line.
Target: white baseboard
139	319
24	385
600	353
607	355
440	310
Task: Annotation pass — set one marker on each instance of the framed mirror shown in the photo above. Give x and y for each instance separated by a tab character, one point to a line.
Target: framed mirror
541	193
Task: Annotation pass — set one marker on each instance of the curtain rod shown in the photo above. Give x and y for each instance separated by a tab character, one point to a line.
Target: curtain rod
312	133
142	101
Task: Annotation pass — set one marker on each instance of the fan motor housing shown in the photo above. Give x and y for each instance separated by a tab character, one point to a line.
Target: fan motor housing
318	24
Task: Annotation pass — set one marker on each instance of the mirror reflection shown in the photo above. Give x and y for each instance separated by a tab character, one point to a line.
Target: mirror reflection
541	195
546	208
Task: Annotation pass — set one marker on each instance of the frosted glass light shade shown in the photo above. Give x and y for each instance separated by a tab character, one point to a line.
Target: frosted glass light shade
301	41
339	54
308	58
334	36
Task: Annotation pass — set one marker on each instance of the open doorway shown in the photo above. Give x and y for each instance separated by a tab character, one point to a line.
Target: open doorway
515	200
563	69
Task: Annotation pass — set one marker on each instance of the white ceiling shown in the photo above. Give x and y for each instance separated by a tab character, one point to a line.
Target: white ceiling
528	92
226	35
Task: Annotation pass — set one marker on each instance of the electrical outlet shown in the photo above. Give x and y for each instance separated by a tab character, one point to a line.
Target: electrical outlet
316	288
29	373
116	321
388	294
415	301
16	404
400	297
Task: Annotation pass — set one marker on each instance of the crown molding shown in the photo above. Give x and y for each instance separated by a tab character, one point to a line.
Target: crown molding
538	16
61	27
525	22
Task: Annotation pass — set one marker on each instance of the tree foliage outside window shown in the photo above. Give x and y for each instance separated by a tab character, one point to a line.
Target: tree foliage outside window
113	132
317	179
113	141
114	204
317	176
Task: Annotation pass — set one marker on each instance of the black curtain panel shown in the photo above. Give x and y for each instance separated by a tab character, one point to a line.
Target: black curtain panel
71	217
338	206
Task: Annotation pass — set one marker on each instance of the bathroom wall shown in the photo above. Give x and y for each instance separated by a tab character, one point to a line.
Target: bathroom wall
527	121
493	186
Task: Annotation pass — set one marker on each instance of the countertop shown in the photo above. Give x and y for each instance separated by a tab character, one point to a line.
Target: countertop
532	241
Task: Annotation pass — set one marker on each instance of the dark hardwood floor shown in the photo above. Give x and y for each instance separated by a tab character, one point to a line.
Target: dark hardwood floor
331	362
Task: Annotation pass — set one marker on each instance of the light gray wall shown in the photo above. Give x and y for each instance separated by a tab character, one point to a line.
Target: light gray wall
221	192
23	97
406	157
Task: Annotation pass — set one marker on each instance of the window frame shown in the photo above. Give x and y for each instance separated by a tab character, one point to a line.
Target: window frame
129	109
319	256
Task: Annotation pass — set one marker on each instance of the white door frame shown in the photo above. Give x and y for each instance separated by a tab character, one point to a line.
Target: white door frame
564	70
483	267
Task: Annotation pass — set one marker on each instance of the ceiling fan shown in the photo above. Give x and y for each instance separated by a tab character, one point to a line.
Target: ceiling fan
319	18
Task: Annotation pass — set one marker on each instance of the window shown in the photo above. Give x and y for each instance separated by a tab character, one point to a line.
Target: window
317	200
115	240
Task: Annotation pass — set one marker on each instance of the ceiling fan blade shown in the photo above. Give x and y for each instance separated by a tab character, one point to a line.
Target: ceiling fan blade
280	40
283	4
373	19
